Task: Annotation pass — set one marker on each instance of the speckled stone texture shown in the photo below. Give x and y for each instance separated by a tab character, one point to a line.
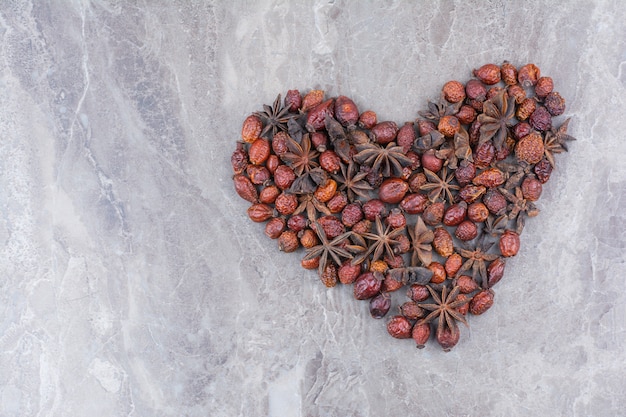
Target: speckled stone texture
134	284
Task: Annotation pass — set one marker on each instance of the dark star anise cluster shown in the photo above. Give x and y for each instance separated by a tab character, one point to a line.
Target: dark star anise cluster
434	206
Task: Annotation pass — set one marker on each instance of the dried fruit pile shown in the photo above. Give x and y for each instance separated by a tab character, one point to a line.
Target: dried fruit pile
433	207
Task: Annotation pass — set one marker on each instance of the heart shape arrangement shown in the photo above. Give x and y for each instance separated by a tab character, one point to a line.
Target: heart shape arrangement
435	206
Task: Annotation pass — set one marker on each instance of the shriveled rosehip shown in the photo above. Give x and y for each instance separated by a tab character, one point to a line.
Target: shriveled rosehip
477	212
326	191
466	231
509	243
474	132
528	75
471	193
491	177
351	214
368	119
245	188
392	190
272	163
259	151
396	219
279	143
484	154
274	227
431	162
284	176
453	264
449	126
406	136
418	292
454	91
308	238
384	132
543	169
477	104
412	311
424	127
476	90
312	263
374	208
466	284
330	161
466	114
329	275
521	129
554	103
348	273
297	222
414	203
379	266
380	305
455	214
463	309
293	100
346	111
495	271
312	99
544	86
397	261
447	337
421	334
433	215
489	74
495	201
286	203
403	245
332	226
288	241
399	327
258	174
251	128
316	118
442	242
239	159
494	91
260	212
319	141
366	286
530	148
364	226
439	272
518	92
268	194
391	284
531	188
416	181
481	302
337	203
541	119
464	174
508	72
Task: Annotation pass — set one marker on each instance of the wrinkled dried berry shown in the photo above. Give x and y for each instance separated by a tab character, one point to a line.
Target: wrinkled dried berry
442	242
259	151
380	305
348	273
544	86
477	212
554	103
260	212
453	91
466	231
399	327
489	74
481	302
418	292
455	214
412	311
384	132
284	177
531	188
288	241
374	208
453	264
312	99
337	203
346	111
439	272
491	177
251	128
509	243
245	188
268	194
543	169
466	284
541	119
421	334
530	148
366	286
329	275
368	119
495	271
528	75
508	73
392	190
433	215
495	201
274	227
286	203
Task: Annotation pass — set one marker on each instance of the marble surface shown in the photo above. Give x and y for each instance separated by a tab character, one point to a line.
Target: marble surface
133	284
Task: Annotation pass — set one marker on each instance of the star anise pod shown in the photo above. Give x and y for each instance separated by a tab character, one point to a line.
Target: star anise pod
301	157
432	140
447	154
409	275
555	141
519	207
495	120
312	206
337	249
516	171
275	117
494	227
382	240
437	185
388	161
476	260
462	147
308	182
352	181
442	108
444	307
421	243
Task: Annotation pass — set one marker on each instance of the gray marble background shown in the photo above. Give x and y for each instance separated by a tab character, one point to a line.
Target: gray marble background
133	284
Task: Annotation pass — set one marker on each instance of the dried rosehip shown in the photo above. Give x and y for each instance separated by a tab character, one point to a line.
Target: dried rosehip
476	90
337	203
554	103
258	174
466	231
508	73
464	174
346	111
399	327
367	119
416	181
455	214
466	284
316	118
442	242
447	337
293	100
308	238
297	222
329	275
525	109
481	302
454	91
439	272
259	151
393	190
453	264
421	334
379	266
396	219
541	119
466	114
495	201
348	273
251	128
384	132
518	92
412	311
279	143
528	75
449	126
431	162
530	148
312	263
284	177
374	208
332	226
471	193
288	241
286	203
477	212
366	286
390	284
531	188
465	307
274	227
491	177
485	154
543	169
418	293
424	127
403	245
364	226
544	86
351	214
406	137
509	243
495	271
245	188
380	305
494	91
268	194
397	261
272	163
474	132
521	129
239	159
319	140
489	74
414	203
326	191
312	99
260	212
433	215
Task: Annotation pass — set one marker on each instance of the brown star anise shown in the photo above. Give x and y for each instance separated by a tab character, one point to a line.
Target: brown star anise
421	242
555	141
301	157
337	249
476	260
312	206
444	307
516	171
388	161
353	181
442	108
437	185
381	242
275	117
496	118
519	207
